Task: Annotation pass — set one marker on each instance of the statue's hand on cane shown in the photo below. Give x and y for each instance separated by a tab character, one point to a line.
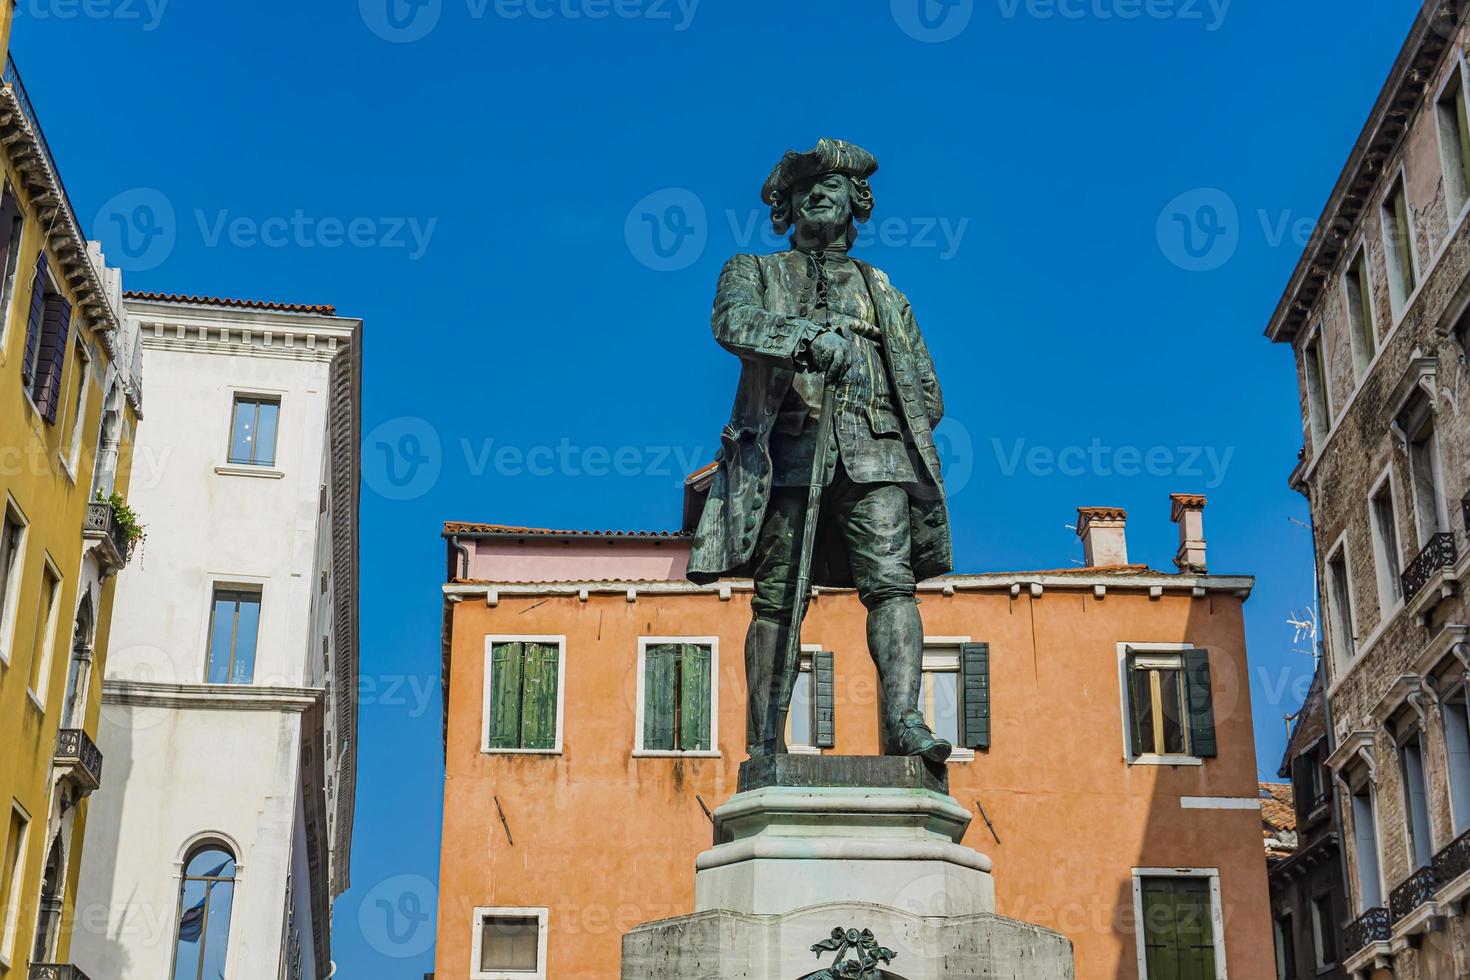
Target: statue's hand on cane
831	354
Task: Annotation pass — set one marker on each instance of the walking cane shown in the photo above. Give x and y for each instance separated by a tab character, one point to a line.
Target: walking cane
792	663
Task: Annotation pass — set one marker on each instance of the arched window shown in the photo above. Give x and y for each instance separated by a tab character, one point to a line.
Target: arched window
205	899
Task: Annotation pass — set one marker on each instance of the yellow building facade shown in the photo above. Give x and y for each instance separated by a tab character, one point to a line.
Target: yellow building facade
70	402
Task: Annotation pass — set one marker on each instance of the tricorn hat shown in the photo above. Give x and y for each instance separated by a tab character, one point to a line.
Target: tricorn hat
828	156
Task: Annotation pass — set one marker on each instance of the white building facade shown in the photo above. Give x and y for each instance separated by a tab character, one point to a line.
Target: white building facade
223	834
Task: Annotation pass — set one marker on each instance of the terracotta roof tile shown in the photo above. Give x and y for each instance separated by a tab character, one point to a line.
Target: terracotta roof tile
247	304
512	530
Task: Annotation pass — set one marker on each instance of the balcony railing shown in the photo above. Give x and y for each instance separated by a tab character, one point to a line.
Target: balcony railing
1373	926
55	971
76	751
103	527
1453	859
1415	890
12	78
1439	553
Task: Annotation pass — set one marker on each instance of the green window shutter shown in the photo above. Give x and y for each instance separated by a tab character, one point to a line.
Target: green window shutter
660	686
1201	702
538	700
694	696
824	683
975	695
505	695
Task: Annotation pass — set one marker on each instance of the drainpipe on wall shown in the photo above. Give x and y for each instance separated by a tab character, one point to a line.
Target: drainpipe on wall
464	556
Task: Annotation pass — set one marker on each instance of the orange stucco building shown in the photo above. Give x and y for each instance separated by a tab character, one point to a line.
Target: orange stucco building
1097	803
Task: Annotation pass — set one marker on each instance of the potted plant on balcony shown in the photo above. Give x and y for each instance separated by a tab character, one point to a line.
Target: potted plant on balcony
125	519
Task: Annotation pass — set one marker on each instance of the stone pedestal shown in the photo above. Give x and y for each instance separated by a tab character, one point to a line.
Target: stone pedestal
815	843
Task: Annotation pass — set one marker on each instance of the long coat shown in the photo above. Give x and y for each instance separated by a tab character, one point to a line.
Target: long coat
759	316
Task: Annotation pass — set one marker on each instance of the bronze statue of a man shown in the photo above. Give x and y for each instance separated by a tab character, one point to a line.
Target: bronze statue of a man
802	320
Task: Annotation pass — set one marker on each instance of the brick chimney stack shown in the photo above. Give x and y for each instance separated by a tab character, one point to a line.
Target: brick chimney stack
1103	534
1188	511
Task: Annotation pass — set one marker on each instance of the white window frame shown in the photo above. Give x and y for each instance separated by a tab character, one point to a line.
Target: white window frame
1217	917
17	578
10	269
1458	73
1457	747
938	652
275	469
11	924
47	650
560	642
1362	360
1398	305
1417	735
213	584
481	913
806	666
1387	566
1348	657
1125	651
1371	787
78	407
713	642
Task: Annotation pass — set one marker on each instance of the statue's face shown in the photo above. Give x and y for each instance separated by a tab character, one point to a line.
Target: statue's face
822	207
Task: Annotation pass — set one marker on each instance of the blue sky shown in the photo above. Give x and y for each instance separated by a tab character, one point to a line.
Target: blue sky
1094	205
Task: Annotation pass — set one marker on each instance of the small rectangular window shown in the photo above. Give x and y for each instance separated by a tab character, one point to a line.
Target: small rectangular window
1324	933
1178	928
678	697
47	329
12	560
939	697
48	611
1385	525
1319	395
801	721
1285	948
1358	295
1398	247
1170	704
1340	611
77	414
1431	506
1416	802
509	944
12	874
234	628
1454	144
523	690
253	430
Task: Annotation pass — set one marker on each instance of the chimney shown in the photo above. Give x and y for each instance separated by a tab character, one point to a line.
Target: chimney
1101	529
1188	511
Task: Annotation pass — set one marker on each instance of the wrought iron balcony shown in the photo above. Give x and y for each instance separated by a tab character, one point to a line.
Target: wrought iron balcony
102	527
1453	860
1413	891
1373	926
77	753
1439	553
55	971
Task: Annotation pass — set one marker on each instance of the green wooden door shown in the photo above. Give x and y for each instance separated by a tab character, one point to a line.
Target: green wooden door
1179	936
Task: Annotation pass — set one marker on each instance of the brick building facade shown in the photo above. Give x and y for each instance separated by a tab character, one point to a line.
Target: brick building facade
1377	314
